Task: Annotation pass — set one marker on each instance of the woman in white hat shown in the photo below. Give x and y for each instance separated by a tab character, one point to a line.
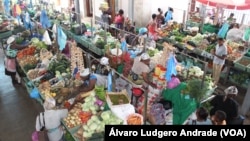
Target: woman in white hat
10	58
140	71
51	120
226	103
88	83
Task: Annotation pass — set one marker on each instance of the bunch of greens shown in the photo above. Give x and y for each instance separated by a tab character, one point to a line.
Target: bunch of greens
195	90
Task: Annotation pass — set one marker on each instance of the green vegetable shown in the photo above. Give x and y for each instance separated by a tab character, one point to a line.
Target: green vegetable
194	89
100	92
117	98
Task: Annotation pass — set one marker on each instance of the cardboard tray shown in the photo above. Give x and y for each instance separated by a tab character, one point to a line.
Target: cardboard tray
123	92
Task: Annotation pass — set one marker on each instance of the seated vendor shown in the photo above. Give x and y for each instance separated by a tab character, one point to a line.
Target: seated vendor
140	71
88	83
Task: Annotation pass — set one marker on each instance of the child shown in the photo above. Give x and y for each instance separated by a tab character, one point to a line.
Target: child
202	117
219	118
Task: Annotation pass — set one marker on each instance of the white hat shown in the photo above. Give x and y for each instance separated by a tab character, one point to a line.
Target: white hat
85	72
116	52
231	90
49	103
11	39
104	61
144	56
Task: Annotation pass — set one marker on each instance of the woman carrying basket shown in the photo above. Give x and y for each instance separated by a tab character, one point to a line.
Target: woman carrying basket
10	59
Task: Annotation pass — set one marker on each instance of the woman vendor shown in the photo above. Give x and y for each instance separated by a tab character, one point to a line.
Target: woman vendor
88	83
152	28
140	71
10	59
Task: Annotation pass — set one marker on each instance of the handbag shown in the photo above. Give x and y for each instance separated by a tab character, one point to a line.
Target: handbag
43	133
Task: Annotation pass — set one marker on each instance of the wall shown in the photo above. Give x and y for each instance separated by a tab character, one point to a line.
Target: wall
143	9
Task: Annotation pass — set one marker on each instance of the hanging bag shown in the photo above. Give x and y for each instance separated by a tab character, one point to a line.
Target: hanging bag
43	133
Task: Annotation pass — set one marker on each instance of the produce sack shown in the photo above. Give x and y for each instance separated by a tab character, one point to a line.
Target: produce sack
46	38
157	114
35	93
173	83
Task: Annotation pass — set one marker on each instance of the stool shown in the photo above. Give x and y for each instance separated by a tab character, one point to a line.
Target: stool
137	93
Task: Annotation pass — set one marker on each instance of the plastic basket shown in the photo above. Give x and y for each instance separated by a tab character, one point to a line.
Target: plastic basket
240	66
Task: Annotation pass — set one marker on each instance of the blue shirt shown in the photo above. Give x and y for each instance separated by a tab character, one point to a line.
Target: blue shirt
91	77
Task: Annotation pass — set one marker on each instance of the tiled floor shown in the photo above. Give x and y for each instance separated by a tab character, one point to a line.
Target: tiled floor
18	111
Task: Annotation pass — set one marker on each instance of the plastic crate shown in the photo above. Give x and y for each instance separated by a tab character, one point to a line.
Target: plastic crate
240	66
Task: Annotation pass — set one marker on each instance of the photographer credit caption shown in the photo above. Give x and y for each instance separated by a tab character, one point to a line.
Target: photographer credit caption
114	132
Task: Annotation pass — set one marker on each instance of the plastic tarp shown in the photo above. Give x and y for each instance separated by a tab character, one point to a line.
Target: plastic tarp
182	107
246	35
61	38
44	20
171	68
223	31
6	4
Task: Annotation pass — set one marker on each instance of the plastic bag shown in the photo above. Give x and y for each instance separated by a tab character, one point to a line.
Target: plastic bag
173	83
35	93
157	114
46	38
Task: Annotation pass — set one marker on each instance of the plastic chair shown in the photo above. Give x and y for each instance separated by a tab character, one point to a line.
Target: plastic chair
137	93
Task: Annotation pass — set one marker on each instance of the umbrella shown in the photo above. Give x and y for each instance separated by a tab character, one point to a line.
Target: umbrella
228	4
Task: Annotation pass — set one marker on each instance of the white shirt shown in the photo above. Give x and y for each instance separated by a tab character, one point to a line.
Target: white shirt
220	51
52	120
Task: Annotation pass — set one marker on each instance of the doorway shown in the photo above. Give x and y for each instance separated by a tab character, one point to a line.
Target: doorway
89	7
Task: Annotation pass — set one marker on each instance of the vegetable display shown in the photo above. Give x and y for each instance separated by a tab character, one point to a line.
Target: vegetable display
73	119
27	51
100	92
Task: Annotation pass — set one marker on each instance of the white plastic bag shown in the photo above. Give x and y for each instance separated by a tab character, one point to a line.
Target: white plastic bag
46	38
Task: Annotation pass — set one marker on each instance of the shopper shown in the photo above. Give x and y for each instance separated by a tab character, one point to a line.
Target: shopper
106	15
10	59
202	117
220	54
140	71
152	28
160	18
51	120
119	19
219	118
169	15
228	104
230	18
73	15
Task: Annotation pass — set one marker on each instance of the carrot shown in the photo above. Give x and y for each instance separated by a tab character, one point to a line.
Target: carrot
134	120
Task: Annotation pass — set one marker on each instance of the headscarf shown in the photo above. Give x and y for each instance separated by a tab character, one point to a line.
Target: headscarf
143	30
231	90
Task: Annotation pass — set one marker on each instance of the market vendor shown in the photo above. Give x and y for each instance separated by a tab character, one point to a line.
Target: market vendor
220	54
10	59
235	34
227	103
88	83
140	71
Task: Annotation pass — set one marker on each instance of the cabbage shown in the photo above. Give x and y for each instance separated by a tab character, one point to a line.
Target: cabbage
35	40
105	115
93	126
